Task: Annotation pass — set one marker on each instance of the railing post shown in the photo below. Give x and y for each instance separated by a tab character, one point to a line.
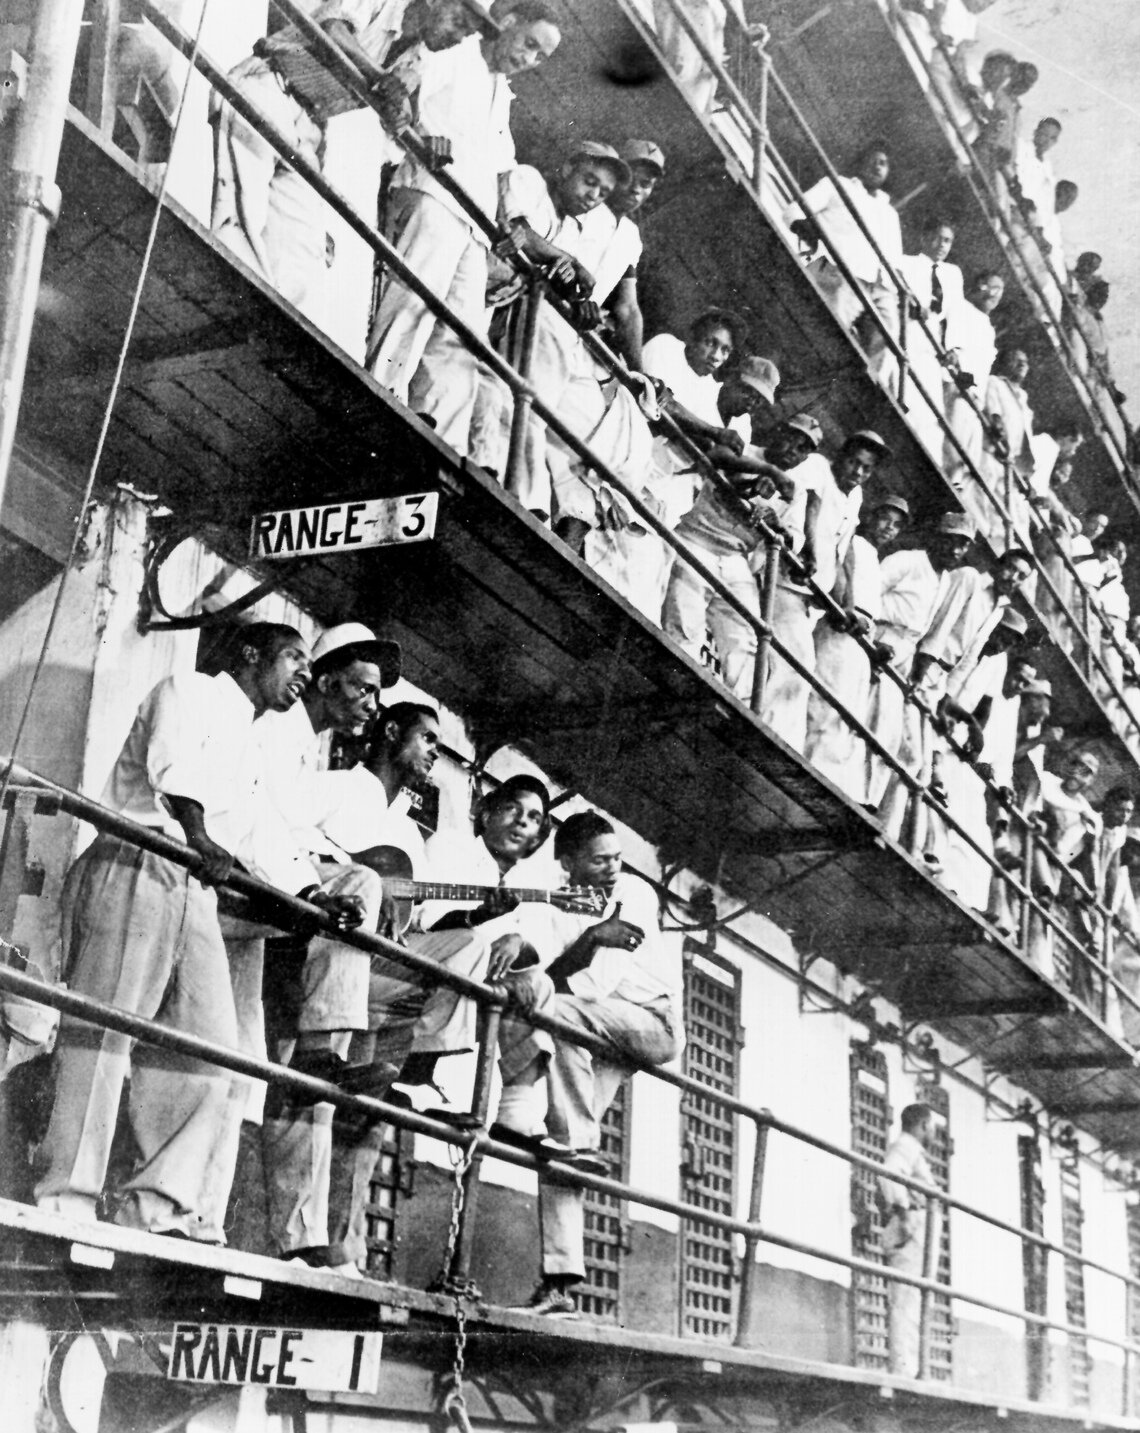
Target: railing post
760	134
1027	859
515	476
489	1019
103	66
930	1245
772	548
904	362
751	1242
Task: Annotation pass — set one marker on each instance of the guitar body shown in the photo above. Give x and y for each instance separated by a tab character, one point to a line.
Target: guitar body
394	867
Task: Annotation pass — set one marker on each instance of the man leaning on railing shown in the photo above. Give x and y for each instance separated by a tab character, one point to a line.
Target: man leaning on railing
142	934
904	1235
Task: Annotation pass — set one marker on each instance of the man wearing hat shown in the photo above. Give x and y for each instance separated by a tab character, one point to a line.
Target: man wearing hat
622	253
835	498
833	747
564	227
262	208
722	531
350	666
465	96
911	583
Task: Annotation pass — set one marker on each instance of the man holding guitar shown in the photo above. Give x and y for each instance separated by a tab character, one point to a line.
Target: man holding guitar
616	978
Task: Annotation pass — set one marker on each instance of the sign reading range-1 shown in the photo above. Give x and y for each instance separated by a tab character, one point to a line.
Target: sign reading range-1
344	526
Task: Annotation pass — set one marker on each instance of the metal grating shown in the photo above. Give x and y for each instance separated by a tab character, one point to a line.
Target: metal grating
1132	1365
1072	1218
383	1200
1034	1263
708	1145
606	1233
870	1126
939	1148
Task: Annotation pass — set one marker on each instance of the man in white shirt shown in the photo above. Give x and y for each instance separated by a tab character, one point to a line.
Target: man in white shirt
835	499
141	933
1069	822
935	286
970	336
350	668
720	530
832	745
827	208
1035	169
911	583
905	1234
615	978
465	96
265	211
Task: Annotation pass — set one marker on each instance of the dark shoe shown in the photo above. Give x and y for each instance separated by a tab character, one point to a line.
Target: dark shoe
539	1145
550	1302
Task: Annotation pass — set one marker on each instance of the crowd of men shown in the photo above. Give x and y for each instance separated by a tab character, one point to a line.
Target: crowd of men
236	765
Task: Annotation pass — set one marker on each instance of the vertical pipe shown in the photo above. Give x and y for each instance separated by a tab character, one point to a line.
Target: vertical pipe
772	547
29	197
904	362
489	1019
515	476
929	1271
760	135
1027	858
751	1243
102	66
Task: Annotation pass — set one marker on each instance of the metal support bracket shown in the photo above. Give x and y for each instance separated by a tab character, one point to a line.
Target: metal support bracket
33	191
13	84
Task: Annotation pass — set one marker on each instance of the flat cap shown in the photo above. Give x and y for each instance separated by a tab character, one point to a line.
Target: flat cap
596	149
760	374
805	423
956	524
643	151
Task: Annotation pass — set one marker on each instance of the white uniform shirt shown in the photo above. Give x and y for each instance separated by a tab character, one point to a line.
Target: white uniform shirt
454	860
664	357
376	26
640	976
296	768
460	98
1070	818
194	736
359	816
616	242
907	1157
835	524
823	200
714	523
1011	403
967	612
918	272
909	588
970	333
858	583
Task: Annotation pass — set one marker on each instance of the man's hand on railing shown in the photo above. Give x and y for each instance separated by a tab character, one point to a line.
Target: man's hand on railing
728	438
393	102
346	911
808	232
438	148
585	314
217	863
510	245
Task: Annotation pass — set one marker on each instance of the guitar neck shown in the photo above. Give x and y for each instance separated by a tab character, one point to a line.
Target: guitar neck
440	891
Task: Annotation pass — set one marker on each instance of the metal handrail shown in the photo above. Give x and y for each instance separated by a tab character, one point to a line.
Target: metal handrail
296	914
898	351
520	386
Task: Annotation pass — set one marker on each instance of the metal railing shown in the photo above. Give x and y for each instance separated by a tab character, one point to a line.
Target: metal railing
767	81
291	913
529	401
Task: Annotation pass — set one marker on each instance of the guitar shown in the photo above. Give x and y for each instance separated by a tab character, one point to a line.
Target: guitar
395	868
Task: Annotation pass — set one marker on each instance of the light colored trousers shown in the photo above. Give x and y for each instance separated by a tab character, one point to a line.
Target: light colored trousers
410	351
903	1241
315	1199
691	606
786	693
847	303
263	210
832	746
580	1088
142	934
335	980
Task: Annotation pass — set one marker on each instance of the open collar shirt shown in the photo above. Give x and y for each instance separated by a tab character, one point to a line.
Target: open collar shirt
825	201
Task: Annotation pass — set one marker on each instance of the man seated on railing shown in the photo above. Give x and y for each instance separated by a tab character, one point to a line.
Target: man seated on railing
615	978
262	208
905	1235
835	499
911	581
317	1191
721	531
833	746
971	339
142	933
464	96
831	213
564	227
935	289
